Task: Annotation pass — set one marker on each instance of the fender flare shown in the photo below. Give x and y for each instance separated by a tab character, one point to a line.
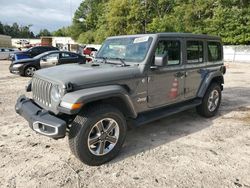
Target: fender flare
207	80
88	95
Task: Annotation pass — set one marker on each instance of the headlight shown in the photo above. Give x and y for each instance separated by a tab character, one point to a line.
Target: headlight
17	65
56	93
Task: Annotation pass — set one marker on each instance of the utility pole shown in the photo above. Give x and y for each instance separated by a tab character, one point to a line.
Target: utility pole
145	17
70	6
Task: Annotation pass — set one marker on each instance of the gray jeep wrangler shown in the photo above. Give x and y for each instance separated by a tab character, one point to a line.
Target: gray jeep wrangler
133	80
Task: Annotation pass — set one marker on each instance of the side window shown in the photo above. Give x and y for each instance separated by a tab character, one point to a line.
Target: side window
195	52
64	55
35	50
214	51
73	55
67	55
52	56
171	48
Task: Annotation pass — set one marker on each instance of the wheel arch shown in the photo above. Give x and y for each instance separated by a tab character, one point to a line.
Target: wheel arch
215	77
114	95
30	65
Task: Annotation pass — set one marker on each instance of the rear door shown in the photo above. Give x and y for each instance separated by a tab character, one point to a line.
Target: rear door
166	84
194	64
68	58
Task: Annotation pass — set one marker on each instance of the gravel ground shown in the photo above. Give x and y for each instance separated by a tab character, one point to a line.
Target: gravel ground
184	150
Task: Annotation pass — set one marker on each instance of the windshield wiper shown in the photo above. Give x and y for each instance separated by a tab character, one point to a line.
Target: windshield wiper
104	59
122	61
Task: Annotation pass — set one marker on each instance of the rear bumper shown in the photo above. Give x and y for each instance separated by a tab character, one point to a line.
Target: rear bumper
40	121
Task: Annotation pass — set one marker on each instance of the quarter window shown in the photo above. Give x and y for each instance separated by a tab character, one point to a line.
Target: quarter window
214	51
68	55
171	48
195	52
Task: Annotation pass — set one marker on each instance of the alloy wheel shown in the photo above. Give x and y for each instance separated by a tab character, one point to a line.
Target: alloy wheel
213	100
103	136
30	71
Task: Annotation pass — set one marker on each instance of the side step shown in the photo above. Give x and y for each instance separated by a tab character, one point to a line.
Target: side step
153	115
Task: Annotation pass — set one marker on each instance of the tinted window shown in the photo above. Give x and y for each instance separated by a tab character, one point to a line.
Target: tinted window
171	48
214	51
52	56
195	52
35	50
68	55
50	48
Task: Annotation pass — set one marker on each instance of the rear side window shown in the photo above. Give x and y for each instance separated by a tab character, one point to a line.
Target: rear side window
35	50
195	52
173	50
73	55
214	51
68	55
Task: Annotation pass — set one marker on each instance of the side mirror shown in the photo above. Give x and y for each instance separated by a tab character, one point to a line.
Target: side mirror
161	61
44	59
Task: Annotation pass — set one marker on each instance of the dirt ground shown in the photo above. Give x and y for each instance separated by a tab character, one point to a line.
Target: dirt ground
184	150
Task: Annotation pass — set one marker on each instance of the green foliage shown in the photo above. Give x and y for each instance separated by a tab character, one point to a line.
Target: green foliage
96	19
16	31
44	32
62	32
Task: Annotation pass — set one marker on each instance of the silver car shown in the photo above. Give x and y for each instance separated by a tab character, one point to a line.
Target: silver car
5	53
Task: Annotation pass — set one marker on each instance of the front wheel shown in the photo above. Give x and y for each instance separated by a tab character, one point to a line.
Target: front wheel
29	71
97	134
211	101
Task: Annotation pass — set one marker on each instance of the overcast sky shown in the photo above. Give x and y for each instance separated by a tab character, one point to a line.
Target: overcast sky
42	14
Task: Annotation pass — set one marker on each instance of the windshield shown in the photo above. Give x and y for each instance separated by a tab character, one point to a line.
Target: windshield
131	49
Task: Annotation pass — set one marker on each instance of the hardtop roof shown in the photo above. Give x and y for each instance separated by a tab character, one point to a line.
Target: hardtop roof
172	34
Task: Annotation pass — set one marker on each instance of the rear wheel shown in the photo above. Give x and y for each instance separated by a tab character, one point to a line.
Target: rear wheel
97	134
211	101
29	71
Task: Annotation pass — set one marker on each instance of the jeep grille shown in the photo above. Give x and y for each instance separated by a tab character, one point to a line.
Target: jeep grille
41	91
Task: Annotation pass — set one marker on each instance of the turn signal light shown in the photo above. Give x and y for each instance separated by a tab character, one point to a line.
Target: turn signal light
71	106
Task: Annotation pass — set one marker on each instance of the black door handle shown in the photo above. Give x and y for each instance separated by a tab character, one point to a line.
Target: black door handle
179	74
199	71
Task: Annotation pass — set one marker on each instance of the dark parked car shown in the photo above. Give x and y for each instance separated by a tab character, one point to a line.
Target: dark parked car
134	79
32	52
27	67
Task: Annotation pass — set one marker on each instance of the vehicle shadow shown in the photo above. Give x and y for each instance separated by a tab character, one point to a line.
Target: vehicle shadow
155	134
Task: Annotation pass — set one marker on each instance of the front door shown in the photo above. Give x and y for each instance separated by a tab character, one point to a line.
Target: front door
166	84
49	60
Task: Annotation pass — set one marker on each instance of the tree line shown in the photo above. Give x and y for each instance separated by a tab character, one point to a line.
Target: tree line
94	20
19	31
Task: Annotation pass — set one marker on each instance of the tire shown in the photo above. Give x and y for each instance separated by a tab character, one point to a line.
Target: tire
210	105
29	71
85	129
